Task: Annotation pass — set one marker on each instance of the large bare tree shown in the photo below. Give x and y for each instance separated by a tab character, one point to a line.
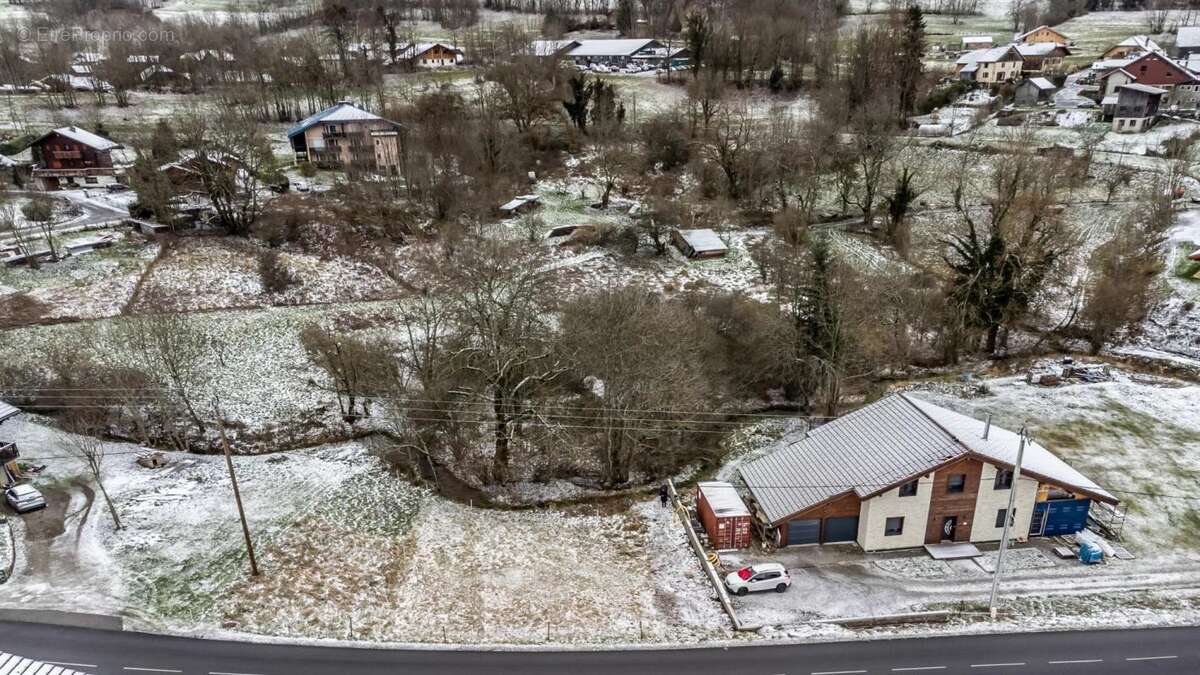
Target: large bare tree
499	298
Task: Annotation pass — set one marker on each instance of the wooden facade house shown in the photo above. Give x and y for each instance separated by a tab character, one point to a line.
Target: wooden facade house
1132	47
347	137
1042	57
70	157
1136	107
430	55
1041	34
904	473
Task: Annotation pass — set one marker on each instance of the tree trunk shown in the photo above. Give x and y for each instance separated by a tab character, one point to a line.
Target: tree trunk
112	509
500	459
993	333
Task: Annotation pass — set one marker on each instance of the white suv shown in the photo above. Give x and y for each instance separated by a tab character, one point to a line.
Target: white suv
24	498
761	577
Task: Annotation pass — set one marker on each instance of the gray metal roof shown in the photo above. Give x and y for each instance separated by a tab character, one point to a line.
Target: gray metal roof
885	443
7	411
871	448
703	240
1188	36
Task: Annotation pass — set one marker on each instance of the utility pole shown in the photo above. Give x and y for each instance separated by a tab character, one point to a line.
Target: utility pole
1008	519
237	495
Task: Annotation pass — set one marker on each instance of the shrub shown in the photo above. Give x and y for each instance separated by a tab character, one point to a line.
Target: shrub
666	142
275	275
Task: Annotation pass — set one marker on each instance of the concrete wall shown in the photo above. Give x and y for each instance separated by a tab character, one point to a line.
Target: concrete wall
872	518
990	501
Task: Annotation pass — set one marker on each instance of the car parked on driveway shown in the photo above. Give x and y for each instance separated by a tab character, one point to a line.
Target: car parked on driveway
24	498
760	577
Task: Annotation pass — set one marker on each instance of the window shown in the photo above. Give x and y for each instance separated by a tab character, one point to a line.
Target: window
91	180
909	489
956	483
1004	479
1000	518
893	527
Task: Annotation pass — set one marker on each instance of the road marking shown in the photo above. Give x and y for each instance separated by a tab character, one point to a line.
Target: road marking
996	665
72	665
1149	658
152	670
903	670
837	672
1060	663
218	672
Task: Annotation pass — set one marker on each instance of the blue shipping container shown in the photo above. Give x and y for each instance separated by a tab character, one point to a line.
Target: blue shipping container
1062	516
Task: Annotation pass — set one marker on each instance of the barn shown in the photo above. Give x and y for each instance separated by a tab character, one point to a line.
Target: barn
723	514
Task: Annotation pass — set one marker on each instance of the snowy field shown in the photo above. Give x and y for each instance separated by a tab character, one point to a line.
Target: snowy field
347	551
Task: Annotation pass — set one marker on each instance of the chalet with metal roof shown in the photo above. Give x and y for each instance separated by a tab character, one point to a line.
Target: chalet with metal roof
70	157
1042	57
347	137
1133	46
1136	107
989	66
429	55
902	473
1041	34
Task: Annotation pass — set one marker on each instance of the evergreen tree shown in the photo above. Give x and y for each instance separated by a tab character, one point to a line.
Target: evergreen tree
910	64
626	14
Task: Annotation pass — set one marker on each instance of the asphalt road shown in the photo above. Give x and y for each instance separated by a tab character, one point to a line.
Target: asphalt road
1124	652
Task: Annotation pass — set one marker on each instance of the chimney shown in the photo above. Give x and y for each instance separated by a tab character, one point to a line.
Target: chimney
987	426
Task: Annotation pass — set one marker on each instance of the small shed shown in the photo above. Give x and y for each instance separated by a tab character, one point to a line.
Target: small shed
699	243
724	515
7	411
1034	90
933	130
520	204
977	41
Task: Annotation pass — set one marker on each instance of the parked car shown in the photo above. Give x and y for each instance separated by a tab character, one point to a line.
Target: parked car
24	498
761	577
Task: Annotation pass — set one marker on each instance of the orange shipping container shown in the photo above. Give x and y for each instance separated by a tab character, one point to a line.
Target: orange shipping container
725	517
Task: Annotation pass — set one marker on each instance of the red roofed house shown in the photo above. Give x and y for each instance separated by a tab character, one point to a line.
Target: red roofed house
1156	70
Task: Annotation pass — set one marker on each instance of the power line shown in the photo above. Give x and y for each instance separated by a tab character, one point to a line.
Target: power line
31	391
789	486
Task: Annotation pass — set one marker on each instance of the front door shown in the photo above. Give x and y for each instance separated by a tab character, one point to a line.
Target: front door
949	524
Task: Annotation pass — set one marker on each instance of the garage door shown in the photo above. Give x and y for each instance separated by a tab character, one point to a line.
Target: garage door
841	529
803	532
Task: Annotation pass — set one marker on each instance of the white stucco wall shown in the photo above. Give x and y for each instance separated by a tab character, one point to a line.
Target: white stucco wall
990	501
1115	80
873	515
